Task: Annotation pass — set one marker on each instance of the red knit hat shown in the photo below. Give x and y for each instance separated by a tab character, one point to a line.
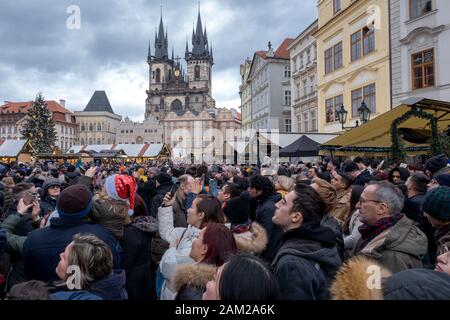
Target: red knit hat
122	187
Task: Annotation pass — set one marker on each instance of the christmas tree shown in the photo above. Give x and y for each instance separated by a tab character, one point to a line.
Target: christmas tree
39	128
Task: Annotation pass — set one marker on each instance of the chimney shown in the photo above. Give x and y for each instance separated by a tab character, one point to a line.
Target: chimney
62	102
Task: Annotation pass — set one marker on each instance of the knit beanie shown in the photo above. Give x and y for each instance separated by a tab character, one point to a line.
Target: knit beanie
443	180
74	202
436	163
437	203
237	209
50	183
122	187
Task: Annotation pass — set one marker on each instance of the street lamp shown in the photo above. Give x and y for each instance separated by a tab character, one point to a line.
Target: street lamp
258	161
363	112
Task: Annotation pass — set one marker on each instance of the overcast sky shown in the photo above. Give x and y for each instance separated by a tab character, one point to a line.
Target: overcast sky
108	52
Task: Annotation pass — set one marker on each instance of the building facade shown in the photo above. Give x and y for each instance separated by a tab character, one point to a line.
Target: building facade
420	40
97	123
149	131
353	60
269	79
245	92
13	117
303	55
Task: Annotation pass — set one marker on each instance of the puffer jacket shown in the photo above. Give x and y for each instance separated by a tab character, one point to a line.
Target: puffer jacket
174	256
253	241
399	247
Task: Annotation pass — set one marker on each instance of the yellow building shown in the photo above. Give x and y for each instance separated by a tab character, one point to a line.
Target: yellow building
352	60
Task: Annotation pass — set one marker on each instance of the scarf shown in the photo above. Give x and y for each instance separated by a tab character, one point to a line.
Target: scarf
369	232
241	228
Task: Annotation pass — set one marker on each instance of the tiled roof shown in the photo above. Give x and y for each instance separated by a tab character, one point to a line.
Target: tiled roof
280	53
23	107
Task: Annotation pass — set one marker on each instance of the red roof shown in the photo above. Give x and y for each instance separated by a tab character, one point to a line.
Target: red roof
281	52
23	107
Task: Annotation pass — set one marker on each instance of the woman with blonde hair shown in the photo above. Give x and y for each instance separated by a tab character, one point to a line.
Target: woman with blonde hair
284	185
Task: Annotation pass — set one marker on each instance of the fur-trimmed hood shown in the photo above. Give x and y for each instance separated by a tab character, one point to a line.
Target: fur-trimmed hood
253	241
352	281
193	275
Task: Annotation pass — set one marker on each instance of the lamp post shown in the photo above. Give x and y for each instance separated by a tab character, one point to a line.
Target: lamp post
258	161
363	112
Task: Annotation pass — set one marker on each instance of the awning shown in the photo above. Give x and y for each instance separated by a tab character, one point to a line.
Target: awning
375	136
12	148
302	147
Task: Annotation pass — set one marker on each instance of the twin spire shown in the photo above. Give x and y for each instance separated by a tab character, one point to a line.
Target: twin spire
200	45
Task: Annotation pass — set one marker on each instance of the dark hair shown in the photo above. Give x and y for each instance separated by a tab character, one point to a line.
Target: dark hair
20	187
246	277
309	203
346	179
31	290
220	242
191	171
420	181
233	189
263	184
359	160
211	207
202	170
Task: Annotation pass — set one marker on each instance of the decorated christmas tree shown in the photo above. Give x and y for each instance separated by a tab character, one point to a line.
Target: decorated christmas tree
39	128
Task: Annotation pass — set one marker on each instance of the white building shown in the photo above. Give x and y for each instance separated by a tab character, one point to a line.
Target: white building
149	131
269	79
420	46
303	54
245	91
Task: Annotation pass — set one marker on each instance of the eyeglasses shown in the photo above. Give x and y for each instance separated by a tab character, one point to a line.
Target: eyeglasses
362	200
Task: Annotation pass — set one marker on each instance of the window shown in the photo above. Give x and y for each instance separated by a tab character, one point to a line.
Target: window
15	129
287	97
328	60
158	76
418	8
91	128
287	125
423	69
298	90
336	6
312	84
98	141
9	129
99	127
337	55
366	94
313	121
305	87
305	122
308	56
295	65
356	45
122	131
287	71
197	73
301	61
363	43
332	106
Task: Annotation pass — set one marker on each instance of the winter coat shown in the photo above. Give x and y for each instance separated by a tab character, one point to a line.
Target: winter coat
146	190
136	244
362	177
189	280
42	248
7	199
353	237
399	247
444	170
176	255
264	213
253	241
111	287
411	284
306	263
158	197
331	222
2	239
47	204
342	209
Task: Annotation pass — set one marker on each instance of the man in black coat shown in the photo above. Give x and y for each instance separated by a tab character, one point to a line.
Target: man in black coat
163	185
263	191
42	249
308	258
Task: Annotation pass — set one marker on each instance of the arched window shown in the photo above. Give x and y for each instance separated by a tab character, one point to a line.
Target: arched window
176	106
99	127
83	127
91	128
158	76
82	141
90	140
197	73
98	141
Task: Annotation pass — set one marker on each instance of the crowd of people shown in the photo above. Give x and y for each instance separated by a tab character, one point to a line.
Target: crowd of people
147	231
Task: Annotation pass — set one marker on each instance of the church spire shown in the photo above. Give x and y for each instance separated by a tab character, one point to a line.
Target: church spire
149	54
161	41
199	38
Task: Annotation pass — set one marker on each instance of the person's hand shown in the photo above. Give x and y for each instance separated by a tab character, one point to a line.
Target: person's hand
197	186
22	208
90	172
36	209
168	200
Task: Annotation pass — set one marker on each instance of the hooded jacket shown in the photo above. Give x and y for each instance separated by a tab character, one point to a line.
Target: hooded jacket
264	213
399	247
136	244
351	283
111	287
306	263
190	280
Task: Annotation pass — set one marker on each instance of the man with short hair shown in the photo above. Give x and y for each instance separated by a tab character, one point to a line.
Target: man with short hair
387	235
308	258
437	165
228	191
359	177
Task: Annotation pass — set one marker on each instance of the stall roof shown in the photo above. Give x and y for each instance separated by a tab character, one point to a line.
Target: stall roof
131	150
302	147
153	150
11	148
376	133
285	139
